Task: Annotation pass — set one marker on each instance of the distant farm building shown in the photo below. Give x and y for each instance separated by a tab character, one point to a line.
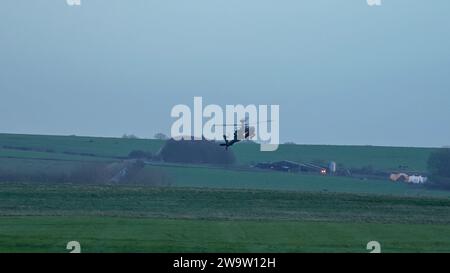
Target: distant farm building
282	166
412	179
291	166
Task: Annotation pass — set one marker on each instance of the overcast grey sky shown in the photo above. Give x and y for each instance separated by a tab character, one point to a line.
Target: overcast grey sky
341	71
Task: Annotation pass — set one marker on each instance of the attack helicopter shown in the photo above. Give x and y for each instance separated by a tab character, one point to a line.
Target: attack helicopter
242	131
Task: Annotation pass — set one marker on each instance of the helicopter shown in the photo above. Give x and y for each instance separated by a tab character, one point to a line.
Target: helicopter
245	132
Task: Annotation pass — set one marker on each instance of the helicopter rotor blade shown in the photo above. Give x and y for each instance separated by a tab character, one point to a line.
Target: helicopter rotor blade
239	124
226	124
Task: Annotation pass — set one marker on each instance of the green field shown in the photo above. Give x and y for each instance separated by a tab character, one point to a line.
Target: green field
195	203
219	178
213	177
106	234
101	147
44	218
57	160
213	208
381	158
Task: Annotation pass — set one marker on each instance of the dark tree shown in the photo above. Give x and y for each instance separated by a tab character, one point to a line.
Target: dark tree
161	136
439	168
196	151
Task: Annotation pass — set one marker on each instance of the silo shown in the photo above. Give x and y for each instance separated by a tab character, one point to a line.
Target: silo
332	167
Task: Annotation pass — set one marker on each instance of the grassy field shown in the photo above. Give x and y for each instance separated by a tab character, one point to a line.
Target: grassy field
101	147
29	153
218	178
195	203
107	234
61	154
221	178
43	218
216	209
381	158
